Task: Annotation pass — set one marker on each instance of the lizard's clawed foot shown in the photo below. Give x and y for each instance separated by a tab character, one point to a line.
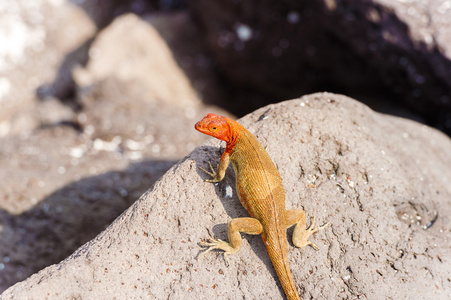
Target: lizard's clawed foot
213	173
300	236
217	244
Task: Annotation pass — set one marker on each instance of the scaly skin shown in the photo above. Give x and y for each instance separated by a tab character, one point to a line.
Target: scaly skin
260	190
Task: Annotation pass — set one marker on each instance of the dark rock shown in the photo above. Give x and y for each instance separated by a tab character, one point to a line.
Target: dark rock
373	49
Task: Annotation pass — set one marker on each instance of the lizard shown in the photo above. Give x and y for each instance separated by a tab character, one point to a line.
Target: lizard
260	191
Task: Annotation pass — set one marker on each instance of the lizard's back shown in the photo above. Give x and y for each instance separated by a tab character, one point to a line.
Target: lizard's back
258	182
260	190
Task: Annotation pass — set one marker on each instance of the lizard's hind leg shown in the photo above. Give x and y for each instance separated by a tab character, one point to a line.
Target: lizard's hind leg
245	225
300	232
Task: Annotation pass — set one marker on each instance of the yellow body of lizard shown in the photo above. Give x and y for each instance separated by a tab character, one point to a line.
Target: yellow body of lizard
260	190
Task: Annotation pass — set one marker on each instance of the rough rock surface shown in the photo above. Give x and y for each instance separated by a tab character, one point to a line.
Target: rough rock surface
369	48
67	174
382	182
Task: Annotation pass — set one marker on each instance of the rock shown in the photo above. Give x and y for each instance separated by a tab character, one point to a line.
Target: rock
43	41
381	182
40	43
141	67
70	173
398	50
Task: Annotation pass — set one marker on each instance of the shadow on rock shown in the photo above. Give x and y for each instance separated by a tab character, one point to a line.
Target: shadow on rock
68	218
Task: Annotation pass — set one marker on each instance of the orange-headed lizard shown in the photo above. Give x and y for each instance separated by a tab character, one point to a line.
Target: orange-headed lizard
260	190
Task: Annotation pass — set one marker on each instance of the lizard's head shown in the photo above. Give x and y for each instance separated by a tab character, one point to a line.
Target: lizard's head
214	125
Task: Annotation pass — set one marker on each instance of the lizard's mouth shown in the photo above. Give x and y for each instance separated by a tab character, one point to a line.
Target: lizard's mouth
198	127
201	128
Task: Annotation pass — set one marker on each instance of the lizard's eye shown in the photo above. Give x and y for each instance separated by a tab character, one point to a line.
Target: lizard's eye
214	128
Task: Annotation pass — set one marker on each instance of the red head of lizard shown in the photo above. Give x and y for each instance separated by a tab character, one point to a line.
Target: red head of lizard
221	128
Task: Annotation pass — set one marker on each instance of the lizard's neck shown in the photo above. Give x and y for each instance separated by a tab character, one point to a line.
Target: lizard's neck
235	134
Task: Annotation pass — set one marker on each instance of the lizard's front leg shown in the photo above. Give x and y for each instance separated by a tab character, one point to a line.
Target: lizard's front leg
222	167
300	232
245	225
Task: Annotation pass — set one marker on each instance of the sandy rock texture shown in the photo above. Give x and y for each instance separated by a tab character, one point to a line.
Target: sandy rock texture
68	171
381	182
374	49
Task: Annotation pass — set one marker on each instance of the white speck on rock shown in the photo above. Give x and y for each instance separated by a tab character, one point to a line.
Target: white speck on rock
293	17
77	152
134	146
155	148
107	146
134	155
229	191
61	170
244	32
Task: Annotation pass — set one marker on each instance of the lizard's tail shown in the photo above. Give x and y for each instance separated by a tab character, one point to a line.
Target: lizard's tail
279	258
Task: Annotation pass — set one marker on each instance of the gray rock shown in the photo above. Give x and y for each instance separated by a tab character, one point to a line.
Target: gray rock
381	182
66	175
